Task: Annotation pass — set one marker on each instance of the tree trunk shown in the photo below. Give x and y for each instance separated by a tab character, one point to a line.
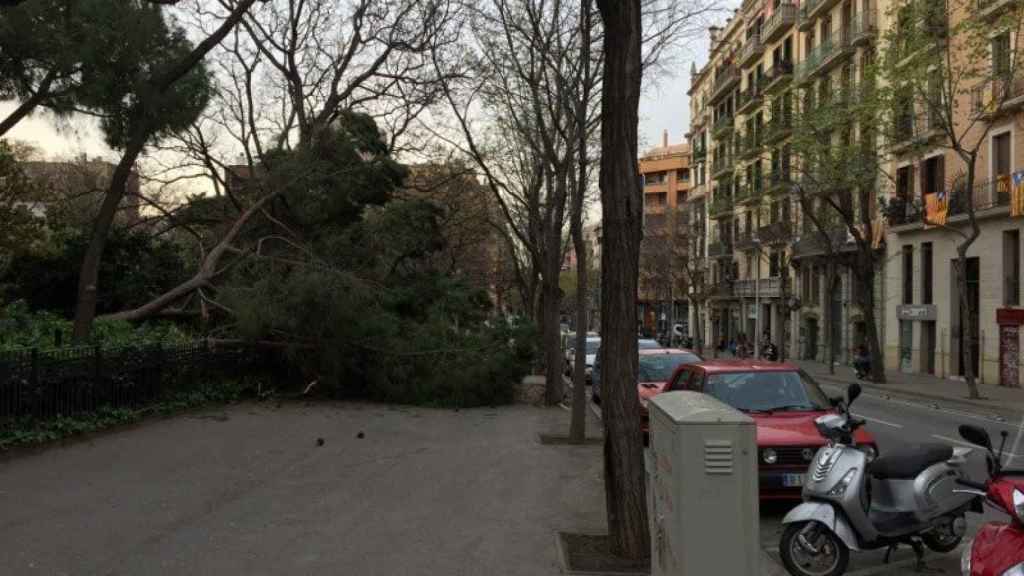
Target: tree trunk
966	344
966	310
26	107
578	424
551	296
621	208
88	277
866	277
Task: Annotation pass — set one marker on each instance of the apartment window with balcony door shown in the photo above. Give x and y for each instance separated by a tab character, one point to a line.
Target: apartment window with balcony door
1001	156
785	212
787	49
1001	55
826	29
908	274
773	265
926	273
933	177
816	285
805	278
1011	268
905	183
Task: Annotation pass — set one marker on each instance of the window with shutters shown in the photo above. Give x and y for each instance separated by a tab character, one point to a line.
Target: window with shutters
1001	55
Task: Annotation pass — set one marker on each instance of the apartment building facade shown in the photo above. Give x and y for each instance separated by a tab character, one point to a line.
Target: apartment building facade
766	265
925	330
667	179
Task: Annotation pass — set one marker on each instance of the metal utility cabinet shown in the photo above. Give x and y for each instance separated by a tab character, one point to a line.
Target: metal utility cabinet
702	487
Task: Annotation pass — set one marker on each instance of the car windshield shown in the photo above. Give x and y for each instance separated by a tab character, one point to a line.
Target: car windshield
659	367
767	391
646	344
593	346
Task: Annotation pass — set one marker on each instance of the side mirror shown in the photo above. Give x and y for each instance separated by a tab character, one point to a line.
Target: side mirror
852	393
975	435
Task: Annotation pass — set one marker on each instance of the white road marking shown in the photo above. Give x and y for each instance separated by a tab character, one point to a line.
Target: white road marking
877	421
954	441
1016	443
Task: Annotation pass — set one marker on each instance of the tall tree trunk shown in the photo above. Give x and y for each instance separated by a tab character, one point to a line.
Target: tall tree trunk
26	107
830	285
621	208
578	424
866	277
551	336
88	276
966	309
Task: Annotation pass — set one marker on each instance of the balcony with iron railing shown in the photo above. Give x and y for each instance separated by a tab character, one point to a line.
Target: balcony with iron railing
811	9
726	79
909	130
752	50
775	233
986	196
722	288
745	240
723	126
990	8
765	287
722	164
778	127
750	144
778	76
750	191
780	180
826	54
999	95
780	22
749	99
811	244
721	205
864	27
720	249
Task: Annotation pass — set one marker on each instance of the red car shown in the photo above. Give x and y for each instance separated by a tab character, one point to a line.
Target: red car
782	400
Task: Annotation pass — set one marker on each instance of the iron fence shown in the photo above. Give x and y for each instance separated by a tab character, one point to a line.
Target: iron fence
67	381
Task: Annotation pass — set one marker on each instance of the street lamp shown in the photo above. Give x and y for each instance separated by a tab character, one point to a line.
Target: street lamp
757	299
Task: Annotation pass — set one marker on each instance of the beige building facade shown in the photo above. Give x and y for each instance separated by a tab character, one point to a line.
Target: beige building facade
925	331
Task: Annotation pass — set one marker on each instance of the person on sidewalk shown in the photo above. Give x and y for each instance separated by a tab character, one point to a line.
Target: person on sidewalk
862	362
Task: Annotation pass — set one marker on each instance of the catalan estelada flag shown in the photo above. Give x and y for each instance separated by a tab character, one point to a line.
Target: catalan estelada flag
936	208
877	232
1017	195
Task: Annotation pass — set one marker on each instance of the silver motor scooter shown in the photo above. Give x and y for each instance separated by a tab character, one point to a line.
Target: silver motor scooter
909	496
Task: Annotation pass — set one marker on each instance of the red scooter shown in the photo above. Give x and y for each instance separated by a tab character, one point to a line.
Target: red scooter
998	547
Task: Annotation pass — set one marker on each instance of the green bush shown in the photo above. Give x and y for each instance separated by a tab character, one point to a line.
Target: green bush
20	327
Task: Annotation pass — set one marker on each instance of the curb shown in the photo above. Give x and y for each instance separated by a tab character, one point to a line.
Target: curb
915	395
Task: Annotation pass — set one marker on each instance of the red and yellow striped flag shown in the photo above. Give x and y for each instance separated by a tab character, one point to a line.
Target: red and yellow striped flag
1017	195
936	208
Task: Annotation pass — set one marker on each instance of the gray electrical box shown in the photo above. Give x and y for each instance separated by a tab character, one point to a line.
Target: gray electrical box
702	487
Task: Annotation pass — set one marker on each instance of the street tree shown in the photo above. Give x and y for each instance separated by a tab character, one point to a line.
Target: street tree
839	175
622	212
950	72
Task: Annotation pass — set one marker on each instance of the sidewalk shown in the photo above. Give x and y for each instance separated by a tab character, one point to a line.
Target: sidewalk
995	399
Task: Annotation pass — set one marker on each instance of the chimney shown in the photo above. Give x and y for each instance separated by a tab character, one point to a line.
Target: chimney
664	138
713	33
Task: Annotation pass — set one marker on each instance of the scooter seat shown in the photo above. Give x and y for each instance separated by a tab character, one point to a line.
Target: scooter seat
906	463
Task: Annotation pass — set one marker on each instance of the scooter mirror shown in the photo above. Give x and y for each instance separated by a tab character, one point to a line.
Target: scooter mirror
975	435
852	393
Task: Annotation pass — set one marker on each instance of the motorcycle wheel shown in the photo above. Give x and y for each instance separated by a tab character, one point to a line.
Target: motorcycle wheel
831	559
943	538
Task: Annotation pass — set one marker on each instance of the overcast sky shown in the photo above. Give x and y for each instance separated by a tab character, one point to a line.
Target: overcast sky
663	106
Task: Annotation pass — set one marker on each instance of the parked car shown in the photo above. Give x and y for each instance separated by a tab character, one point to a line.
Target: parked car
648	344
593	344
656	366
783	401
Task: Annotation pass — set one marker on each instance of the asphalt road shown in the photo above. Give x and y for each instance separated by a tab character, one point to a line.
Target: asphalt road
895	423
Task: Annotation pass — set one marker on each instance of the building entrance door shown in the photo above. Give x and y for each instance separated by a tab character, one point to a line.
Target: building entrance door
906	346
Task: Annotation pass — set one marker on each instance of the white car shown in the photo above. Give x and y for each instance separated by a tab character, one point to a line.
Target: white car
593	344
